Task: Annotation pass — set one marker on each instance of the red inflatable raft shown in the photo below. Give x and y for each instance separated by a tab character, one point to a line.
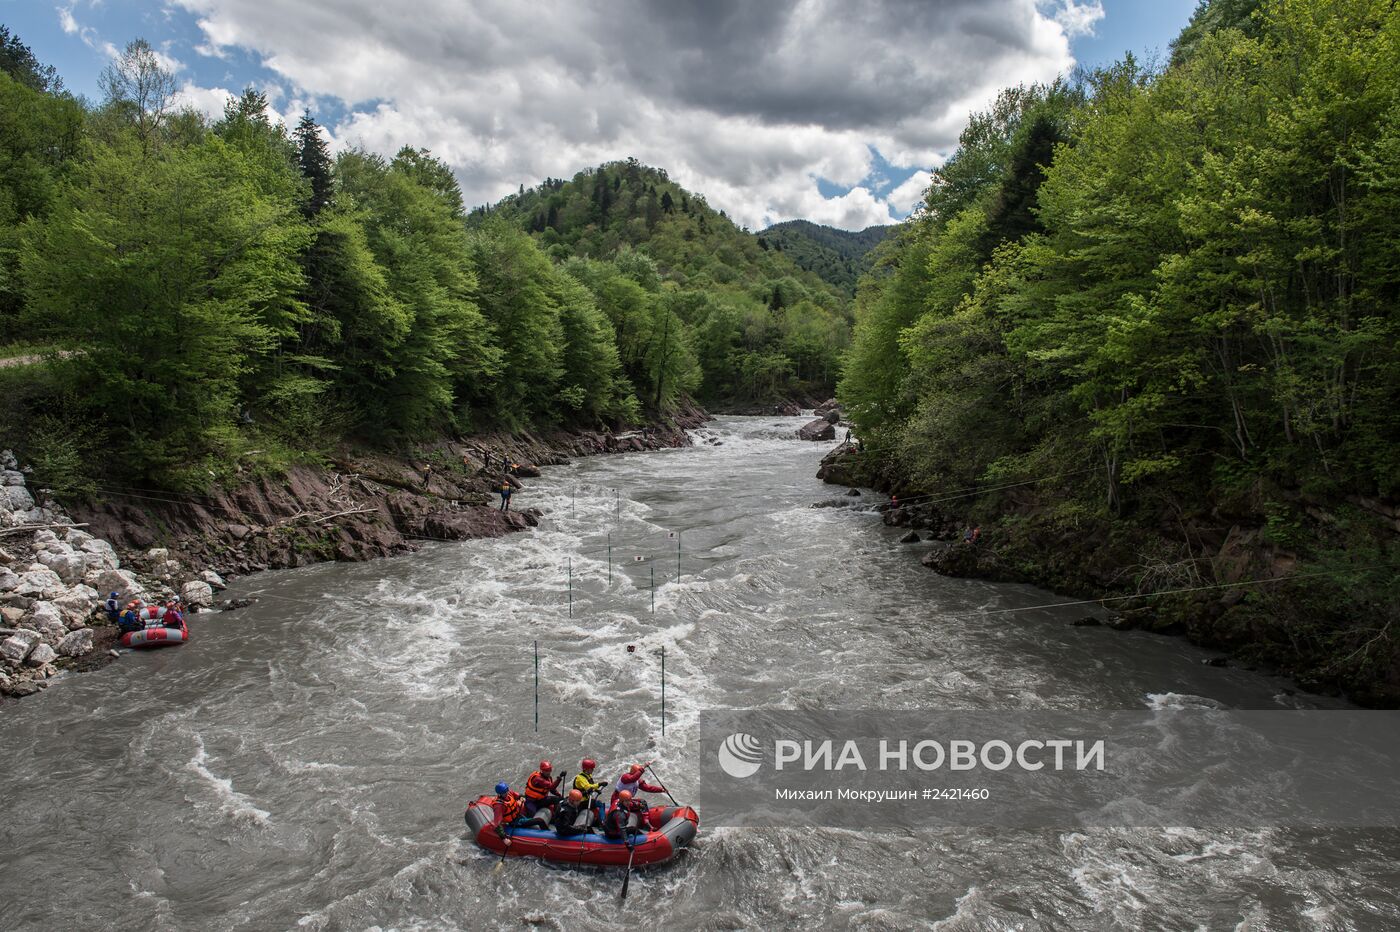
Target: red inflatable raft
674	828
157	635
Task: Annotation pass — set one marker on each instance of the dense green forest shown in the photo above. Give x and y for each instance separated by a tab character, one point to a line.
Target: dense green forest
209	293
1165	300
746	324
839	257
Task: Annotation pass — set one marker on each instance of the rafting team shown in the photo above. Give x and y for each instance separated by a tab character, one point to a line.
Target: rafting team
582	809
136	614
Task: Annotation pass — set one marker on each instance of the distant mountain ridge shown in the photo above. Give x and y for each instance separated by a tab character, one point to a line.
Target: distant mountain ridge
840	257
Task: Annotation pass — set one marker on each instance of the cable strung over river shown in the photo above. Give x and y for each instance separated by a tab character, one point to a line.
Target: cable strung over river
305	762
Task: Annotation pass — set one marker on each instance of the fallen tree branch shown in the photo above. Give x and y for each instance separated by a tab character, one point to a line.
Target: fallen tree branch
341	514
38	527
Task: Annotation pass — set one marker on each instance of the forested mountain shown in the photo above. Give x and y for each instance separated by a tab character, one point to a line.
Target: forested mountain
217	294
747	324
1163	305
839	257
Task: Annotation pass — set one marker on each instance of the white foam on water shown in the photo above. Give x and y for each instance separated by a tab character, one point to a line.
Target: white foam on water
232	803
1159	702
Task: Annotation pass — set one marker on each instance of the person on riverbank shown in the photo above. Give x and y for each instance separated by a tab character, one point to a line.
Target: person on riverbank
585	784
972	535
113	608
427	475
539	789
506	491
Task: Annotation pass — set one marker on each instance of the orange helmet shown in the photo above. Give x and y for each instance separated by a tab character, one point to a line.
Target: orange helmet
546	766
575	796
625	796
635	768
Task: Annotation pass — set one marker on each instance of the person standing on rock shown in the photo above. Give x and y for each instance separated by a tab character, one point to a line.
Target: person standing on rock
506	491
427	475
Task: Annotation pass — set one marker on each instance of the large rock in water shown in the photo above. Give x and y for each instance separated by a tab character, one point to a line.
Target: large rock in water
820	429
40	655
197	594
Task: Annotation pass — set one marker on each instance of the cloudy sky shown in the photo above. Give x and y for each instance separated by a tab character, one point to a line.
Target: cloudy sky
829	110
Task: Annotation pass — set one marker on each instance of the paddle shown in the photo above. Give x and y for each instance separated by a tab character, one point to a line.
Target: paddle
507	839
663	786
632	852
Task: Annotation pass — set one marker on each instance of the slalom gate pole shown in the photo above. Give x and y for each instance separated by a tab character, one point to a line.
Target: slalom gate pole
537	686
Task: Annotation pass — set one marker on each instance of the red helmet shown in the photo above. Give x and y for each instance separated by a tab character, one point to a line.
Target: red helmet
587	764
575	796
635	768
546	766
625	796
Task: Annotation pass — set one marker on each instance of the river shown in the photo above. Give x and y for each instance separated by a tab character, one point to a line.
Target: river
304	762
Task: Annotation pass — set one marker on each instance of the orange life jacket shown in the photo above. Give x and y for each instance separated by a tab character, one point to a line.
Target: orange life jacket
538	786
511	807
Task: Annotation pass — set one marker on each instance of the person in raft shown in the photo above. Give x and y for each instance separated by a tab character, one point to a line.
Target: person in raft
539	789
509	807
567	813
585	784
617	824
173	617
130	618
505	494
632	782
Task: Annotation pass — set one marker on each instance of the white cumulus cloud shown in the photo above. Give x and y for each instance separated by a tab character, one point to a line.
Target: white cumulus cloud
746	103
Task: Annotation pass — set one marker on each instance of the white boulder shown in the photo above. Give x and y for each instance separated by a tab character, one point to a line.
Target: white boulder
76	643
123	582
16	497
40	655
69	566
157	555
77	537
214	580
18	645
40	582
77	604
105	556
197	594
48	620
8	579
11	477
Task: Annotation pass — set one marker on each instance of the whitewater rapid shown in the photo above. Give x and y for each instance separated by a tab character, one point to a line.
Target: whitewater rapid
303	763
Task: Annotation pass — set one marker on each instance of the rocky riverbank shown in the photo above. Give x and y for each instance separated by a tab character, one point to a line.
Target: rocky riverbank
1280	627
58	564
53	575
